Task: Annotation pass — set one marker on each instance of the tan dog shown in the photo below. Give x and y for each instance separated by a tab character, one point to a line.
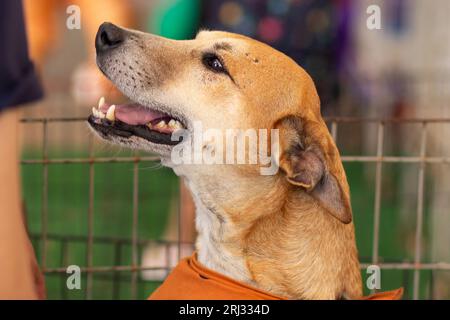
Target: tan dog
290	233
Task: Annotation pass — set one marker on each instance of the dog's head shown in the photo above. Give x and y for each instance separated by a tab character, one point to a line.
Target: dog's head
225	81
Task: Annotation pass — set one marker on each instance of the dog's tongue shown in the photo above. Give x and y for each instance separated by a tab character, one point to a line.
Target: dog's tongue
134	114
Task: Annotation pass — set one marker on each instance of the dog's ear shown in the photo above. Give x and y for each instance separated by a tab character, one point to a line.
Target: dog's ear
310	161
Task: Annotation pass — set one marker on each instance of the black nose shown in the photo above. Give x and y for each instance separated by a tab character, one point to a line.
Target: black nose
109	36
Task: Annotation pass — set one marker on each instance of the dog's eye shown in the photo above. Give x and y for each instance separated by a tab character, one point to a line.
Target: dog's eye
213	62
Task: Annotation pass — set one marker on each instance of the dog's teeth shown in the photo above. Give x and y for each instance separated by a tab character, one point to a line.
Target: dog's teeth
97	113
101	102
161	124
149	125
175	124
110	115
178	125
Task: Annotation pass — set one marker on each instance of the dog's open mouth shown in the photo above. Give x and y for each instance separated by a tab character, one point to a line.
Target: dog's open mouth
126	120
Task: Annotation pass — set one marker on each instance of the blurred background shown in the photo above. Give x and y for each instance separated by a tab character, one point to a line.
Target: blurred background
126	221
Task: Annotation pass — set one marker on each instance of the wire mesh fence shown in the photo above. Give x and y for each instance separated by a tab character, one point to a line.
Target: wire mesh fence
124	270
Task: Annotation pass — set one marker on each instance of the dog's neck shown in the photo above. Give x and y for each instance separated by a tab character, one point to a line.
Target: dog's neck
212	229
286	246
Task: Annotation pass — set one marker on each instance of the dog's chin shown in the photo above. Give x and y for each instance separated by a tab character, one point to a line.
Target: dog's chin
132	142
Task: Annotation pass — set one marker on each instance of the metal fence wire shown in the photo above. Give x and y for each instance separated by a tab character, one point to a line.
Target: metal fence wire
120	274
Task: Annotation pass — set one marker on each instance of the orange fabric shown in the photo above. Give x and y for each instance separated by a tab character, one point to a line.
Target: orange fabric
388	295
189	280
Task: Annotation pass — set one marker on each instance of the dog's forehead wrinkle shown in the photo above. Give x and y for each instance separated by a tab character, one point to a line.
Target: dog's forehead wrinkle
222	46
220	42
